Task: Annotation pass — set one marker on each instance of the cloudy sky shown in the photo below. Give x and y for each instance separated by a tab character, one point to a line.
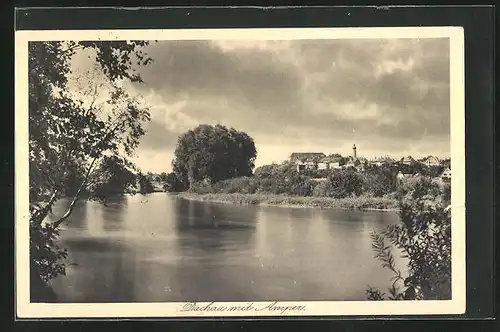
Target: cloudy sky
387	96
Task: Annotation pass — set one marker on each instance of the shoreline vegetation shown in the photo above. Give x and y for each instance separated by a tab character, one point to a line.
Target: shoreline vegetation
363	203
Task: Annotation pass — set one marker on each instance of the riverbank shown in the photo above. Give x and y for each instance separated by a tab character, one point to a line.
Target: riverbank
349	203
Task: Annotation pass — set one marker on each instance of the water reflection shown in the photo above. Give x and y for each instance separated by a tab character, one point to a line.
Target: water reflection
213	247
113	214
78	217
160	248
102	273
209	228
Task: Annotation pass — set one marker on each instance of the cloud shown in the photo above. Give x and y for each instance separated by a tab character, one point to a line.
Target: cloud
381	94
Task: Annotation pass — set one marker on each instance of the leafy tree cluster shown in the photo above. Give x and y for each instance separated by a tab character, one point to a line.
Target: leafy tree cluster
424	239
340	184
172	183
145	185
75	141
213	153
380	180
113	177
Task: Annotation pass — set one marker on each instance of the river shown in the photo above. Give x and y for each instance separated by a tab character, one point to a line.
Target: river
162	248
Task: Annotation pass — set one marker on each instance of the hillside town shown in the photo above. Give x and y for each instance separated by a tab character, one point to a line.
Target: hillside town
407	166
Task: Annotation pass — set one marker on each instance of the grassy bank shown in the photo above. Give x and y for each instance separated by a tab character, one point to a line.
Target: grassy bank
351	203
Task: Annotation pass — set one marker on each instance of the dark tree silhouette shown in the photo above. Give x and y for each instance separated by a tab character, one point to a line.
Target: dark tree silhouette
69	135
213	153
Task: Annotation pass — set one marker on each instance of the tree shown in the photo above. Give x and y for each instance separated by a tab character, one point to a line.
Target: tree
300	185
380	180
424	239
266	171
112	178
340	184
214	153
172	183
70	134
163	177
145	186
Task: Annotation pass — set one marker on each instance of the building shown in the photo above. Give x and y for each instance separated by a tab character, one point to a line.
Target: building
350	164
319	161
383	161
305	156
407	160
431	161
306	160
446	175
360	167
330	162
401	176
323	165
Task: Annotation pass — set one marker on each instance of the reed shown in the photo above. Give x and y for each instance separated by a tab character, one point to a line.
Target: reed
352	203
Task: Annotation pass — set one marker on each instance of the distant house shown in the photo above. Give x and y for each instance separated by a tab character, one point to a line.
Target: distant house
446	175
330	162
323	165
306	156
350	164
383	161
431	161
306	160
360	167
407	160
401	176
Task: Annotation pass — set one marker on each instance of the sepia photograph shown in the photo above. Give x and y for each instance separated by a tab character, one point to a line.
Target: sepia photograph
240	172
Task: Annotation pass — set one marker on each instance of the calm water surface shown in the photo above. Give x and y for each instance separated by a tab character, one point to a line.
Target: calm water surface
161	248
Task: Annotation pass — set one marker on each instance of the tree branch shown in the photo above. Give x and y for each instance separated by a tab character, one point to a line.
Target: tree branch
76	197
40	214
73	48
93	101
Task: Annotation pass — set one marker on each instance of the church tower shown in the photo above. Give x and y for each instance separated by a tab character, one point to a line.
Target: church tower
354	156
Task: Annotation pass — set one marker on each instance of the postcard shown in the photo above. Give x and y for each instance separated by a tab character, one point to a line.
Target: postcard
240	172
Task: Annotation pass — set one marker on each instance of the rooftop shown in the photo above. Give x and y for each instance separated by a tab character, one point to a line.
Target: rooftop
306	156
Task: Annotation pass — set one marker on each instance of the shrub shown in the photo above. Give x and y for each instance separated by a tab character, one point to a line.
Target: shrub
201	187
379	181
340	184
243	185
172	183
266	171
424	238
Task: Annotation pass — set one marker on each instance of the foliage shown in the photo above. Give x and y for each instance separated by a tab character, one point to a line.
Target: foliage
433	171
351	203
424	238
72	132
340	184
379	181
242	185
267	171
47	255
145	186
163	177
215	153
171	183
413	168
111	178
